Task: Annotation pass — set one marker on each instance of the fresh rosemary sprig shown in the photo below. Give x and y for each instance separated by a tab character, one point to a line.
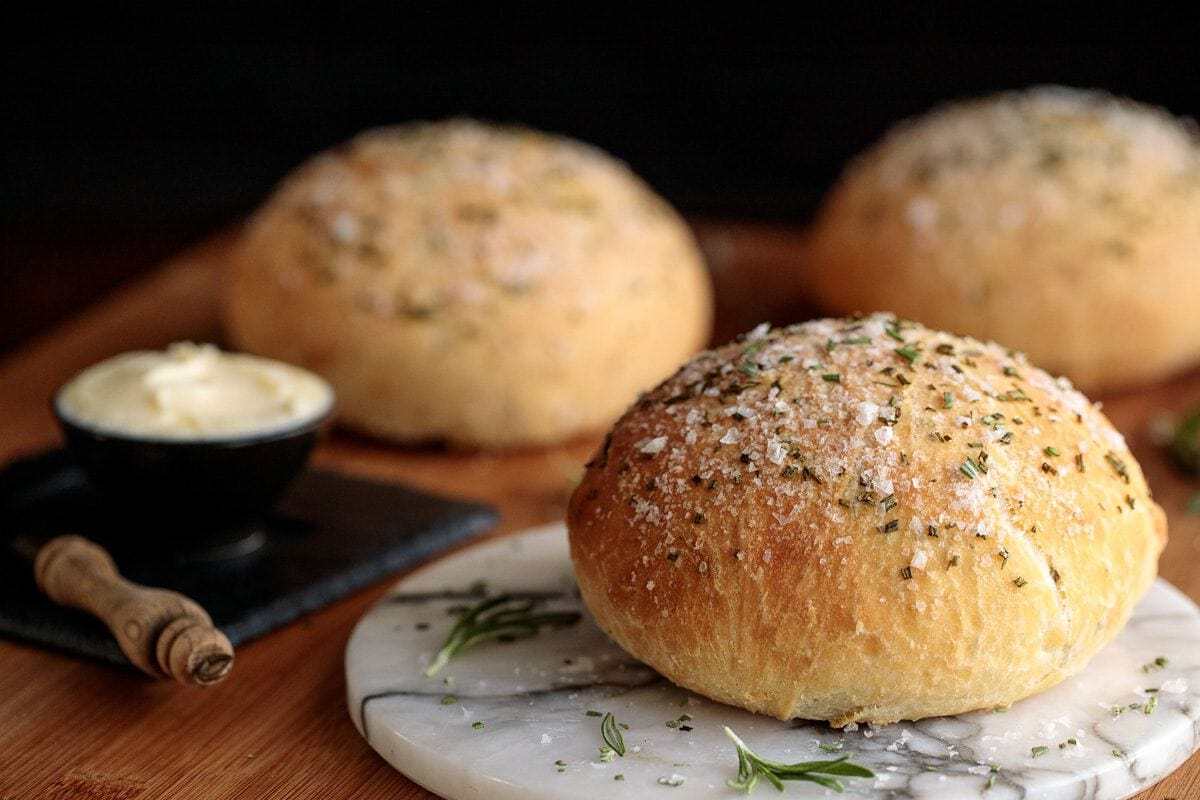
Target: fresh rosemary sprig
751	768
612	734
505	617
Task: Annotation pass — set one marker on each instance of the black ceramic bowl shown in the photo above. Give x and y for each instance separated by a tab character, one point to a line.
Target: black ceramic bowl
190	493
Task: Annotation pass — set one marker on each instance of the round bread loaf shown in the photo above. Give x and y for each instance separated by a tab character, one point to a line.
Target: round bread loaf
863	520
481	285
1059	221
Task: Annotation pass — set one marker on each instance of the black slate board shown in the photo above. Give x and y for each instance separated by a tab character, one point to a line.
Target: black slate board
330	534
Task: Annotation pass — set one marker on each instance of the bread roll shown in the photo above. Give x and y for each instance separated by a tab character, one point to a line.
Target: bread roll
482	285
863	520
1062	222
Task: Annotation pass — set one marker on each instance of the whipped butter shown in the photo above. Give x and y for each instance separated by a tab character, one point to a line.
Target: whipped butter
193	391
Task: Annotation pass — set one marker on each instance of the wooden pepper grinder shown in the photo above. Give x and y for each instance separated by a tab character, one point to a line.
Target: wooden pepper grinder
162	632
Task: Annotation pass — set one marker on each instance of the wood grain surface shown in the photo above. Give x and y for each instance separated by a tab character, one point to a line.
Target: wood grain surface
278	727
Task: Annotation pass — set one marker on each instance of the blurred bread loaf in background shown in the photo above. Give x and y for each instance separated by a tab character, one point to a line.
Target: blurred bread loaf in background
1062	222
481	285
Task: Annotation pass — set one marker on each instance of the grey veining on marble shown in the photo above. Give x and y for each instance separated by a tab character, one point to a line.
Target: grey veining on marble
531	697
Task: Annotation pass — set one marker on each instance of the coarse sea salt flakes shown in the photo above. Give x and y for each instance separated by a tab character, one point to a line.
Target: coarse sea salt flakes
776	452
922	214
866	412
731	437
652	446
884	435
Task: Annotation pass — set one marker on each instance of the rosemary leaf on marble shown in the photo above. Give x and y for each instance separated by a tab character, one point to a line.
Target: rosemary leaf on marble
505	617
752	767
612	734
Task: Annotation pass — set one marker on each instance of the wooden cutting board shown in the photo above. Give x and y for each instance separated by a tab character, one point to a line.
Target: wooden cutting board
278	728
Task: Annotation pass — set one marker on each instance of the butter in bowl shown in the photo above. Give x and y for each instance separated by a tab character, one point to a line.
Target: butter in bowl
182	515
192	441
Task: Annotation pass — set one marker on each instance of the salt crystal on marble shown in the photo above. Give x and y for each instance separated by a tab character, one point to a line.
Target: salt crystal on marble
1174	686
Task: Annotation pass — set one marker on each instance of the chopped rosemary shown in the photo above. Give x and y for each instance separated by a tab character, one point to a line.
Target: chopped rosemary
832	377
1118	465
1159	663
947	400
503	617
969	468
477	725
611	734
1150	705
908	353
449	700
1040	750
1051	451
752	767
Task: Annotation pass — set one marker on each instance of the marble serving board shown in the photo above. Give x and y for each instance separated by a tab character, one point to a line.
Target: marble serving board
511	720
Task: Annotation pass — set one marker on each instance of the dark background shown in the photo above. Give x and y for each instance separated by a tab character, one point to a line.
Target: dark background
116	155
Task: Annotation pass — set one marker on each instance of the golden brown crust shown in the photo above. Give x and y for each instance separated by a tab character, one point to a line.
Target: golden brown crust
941	527
1062	222
472	283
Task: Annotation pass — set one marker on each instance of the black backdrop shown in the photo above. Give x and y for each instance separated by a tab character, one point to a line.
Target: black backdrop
165	140
201	131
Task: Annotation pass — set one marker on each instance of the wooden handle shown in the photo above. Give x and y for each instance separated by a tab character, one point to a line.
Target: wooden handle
162	632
